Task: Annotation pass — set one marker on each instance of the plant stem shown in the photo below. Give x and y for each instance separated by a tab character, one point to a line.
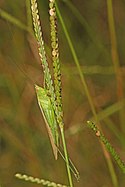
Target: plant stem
66	156
92	34
115	59
14	21
85	86
29	14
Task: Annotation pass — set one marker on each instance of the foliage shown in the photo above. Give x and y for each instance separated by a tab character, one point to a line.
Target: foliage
91	44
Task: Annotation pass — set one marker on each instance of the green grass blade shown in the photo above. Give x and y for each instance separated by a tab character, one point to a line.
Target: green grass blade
93	35
14	21
115	59
85	87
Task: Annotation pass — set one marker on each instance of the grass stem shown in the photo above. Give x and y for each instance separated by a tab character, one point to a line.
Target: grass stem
14	21
66	157
84	86
115	59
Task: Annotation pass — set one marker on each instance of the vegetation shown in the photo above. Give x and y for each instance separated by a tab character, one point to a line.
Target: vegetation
84	44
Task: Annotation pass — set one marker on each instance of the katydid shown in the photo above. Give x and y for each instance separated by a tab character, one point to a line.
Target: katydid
49	117
51	124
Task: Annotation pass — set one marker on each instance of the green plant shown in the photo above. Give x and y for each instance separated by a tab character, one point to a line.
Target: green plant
108	146
51	108
93	76
38	181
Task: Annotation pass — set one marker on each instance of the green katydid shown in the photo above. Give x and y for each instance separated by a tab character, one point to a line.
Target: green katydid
51	124
49	117
50	120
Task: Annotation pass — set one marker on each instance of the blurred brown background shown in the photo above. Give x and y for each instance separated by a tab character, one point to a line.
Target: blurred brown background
24	143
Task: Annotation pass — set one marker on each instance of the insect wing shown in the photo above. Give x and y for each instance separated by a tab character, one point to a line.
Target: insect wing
49	117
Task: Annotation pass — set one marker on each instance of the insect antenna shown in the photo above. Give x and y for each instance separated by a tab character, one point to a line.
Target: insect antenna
71	166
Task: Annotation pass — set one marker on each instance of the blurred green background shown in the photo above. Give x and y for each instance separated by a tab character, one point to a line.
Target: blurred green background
24	143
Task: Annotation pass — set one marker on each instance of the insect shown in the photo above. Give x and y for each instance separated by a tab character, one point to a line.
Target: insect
49	117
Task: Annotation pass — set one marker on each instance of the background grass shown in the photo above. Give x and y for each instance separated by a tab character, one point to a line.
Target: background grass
24	143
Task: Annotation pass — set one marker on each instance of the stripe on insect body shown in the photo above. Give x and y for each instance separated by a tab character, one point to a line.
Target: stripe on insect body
49	117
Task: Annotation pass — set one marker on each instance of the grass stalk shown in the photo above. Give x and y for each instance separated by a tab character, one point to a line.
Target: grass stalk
108	159
66	156
14	21
92	34
48	79
57	80
115	59
28	12
108	146
76	61
38	181
55	61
